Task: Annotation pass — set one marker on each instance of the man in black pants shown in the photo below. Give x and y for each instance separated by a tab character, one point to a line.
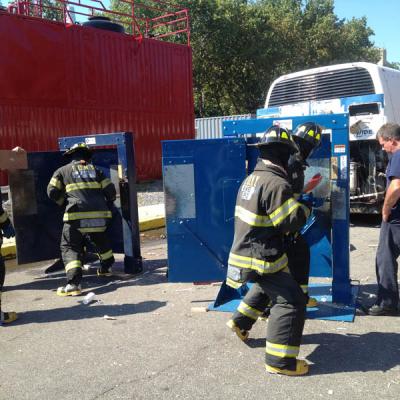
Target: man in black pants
87	194
307	136
6	230
265	212
389	239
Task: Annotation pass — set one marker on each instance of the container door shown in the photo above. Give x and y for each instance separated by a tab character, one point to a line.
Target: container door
38	220
201	180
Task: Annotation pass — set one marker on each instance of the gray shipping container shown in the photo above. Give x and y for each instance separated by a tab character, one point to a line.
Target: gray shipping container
211	128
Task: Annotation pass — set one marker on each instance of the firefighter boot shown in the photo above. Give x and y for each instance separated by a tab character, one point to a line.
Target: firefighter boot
69	290
240	333
301	369
102	271
8	317
312	302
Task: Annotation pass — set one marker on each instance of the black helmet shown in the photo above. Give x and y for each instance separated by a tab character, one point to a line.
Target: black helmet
81	147
310	132
278	135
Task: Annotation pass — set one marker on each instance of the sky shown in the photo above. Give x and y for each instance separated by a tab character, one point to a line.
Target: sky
383	16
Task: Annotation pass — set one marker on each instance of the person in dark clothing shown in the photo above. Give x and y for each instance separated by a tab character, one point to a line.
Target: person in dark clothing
6	230
307	136
265	212
86	193
388	251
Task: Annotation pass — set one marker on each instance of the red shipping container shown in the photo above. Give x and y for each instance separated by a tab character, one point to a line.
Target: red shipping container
59	80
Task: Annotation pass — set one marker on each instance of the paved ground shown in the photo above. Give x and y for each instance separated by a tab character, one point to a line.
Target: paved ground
156	347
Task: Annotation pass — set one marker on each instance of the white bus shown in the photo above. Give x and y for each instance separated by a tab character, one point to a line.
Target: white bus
369	93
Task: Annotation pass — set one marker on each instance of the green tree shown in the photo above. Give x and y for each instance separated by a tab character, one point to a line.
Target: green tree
240	47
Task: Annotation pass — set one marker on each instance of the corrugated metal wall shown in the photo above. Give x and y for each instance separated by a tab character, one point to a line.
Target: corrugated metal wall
58	80
211	128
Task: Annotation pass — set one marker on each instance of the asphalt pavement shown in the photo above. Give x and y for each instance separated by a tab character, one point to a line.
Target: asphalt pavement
142	339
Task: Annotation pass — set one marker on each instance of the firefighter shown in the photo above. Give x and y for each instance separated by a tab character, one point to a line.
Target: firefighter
265	212
86	194
6	230
307	136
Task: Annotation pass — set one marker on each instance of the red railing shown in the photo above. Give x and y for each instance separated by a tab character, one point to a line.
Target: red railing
146	18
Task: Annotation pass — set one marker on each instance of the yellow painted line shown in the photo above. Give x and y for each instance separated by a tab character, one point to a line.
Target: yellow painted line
151	223
151	217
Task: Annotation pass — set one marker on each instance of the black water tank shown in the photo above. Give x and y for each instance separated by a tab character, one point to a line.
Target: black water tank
105	23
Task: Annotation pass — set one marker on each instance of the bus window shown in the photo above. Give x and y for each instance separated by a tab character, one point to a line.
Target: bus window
363	109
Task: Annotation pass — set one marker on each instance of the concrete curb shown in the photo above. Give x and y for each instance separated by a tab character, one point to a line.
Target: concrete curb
150	217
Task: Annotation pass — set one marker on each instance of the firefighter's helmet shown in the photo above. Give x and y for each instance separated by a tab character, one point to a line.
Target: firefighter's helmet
81	147
310	132
278	135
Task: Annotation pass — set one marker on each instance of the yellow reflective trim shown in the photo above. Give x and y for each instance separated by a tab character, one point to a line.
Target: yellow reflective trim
252	219
106	255
248	311
233	284
105	182
282	350
311	133
318	136
89	230
72	265
284	135
260	266
86	215
82	185
56	183
284	211
3	217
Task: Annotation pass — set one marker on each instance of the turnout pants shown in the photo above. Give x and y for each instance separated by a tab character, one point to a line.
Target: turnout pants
256	300
73	243
386	265
286	321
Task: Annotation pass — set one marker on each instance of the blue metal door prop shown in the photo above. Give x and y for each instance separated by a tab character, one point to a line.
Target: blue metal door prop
38	220
200	211
123	141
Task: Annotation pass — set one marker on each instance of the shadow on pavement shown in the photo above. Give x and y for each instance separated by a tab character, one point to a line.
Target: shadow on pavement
81	311
366	220
373	351
154	272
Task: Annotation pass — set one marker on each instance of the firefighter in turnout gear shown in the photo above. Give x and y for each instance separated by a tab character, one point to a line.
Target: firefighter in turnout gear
307	136
6	230
86	194
266	211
